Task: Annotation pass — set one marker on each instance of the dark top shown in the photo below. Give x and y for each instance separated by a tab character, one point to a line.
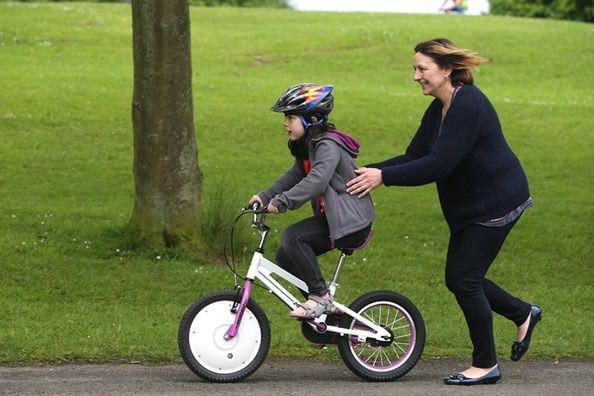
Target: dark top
478	176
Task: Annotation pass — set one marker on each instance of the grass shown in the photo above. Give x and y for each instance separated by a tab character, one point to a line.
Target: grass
72	291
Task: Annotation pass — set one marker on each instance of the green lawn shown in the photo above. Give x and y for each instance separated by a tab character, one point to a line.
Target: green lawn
71	291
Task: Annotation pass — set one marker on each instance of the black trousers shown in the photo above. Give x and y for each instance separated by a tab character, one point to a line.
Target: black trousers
470	254
306	239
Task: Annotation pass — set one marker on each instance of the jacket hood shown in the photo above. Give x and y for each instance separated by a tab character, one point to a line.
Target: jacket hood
343	140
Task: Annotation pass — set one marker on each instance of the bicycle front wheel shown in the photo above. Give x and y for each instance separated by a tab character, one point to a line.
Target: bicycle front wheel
383	360
204	349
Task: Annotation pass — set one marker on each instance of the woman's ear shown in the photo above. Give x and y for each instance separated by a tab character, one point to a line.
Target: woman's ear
313	120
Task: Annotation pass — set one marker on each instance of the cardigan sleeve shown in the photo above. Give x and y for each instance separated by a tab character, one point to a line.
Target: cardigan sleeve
459	132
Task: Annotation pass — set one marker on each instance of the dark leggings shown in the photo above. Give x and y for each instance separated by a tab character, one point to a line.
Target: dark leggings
306	239
470	253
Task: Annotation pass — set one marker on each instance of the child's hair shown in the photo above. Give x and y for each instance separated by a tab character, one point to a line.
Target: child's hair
298	148
447	55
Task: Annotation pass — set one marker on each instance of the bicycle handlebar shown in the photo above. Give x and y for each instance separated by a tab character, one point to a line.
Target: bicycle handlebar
255	208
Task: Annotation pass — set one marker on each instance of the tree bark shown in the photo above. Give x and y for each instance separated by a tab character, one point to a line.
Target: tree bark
166	173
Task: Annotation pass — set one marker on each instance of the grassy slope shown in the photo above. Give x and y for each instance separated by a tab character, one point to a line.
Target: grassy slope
70	291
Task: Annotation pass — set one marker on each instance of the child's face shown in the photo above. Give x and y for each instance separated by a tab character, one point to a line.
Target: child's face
294	127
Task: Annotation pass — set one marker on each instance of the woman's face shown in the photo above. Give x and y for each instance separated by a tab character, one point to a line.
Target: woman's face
432	78
294	127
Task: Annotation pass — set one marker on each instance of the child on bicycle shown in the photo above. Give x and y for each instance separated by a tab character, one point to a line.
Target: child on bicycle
324	162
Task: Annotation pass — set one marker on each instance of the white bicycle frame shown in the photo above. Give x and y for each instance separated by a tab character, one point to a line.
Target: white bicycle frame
262	269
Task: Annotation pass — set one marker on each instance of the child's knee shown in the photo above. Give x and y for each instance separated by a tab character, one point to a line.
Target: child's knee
281	256
288	237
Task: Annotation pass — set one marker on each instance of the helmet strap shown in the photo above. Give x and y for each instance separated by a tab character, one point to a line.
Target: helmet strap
307	124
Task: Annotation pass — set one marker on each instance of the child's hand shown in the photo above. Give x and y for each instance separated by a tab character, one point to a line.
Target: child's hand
256	198
272	208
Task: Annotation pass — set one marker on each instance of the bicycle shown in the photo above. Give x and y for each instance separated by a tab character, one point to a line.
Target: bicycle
225	336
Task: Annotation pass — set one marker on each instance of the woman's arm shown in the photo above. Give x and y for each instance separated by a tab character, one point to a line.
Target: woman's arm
370	176
458	136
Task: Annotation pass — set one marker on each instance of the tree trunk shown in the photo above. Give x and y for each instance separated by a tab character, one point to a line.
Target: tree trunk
166	173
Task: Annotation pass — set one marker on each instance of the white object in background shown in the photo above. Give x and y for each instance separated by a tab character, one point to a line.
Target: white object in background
475	7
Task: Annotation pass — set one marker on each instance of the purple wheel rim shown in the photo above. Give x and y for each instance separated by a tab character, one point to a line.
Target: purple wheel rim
385	358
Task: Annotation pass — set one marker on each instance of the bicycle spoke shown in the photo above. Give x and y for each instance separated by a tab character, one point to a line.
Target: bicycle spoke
386	355
399	347
378	354
401	327
387	317
396	320
360	353
396	352
370	356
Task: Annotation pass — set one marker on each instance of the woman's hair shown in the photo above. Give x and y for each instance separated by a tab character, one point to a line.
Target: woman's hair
298	148
447	55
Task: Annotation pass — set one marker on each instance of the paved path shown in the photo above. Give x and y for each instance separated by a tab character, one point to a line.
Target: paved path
300	377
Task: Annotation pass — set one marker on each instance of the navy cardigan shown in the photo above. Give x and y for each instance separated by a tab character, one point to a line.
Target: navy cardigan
478	176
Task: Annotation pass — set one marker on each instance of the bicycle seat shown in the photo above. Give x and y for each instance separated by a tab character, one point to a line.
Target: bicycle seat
350	251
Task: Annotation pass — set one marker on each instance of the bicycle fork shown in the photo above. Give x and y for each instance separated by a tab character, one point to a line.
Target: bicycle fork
246	291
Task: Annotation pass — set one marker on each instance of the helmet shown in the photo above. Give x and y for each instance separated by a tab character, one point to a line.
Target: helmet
306	99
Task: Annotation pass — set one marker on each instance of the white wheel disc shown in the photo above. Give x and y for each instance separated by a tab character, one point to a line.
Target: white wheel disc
209	347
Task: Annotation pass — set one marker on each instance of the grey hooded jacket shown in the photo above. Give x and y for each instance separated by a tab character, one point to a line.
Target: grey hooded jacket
331	156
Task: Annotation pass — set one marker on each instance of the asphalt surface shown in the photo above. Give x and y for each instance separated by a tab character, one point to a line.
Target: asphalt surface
294	377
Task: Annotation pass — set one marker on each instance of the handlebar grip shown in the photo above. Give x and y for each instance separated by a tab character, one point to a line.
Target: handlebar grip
263	209
255	207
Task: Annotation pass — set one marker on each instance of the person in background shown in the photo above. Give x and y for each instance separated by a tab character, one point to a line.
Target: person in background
456	6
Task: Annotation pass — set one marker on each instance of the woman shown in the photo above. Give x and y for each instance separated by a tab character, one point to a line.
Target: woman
482	190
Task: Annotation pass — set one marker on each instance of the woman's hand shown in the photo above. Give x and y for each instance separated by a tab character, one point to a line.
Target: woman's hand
368	179
272	208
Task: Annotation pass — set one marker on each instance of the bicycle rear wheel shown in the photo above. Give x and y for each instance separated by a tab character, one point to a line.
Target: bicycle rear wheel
391	359
208	354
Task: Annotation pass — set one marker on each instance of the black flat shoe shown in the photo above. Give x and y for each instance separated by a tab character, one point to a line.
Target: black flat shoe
490	378
519	348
